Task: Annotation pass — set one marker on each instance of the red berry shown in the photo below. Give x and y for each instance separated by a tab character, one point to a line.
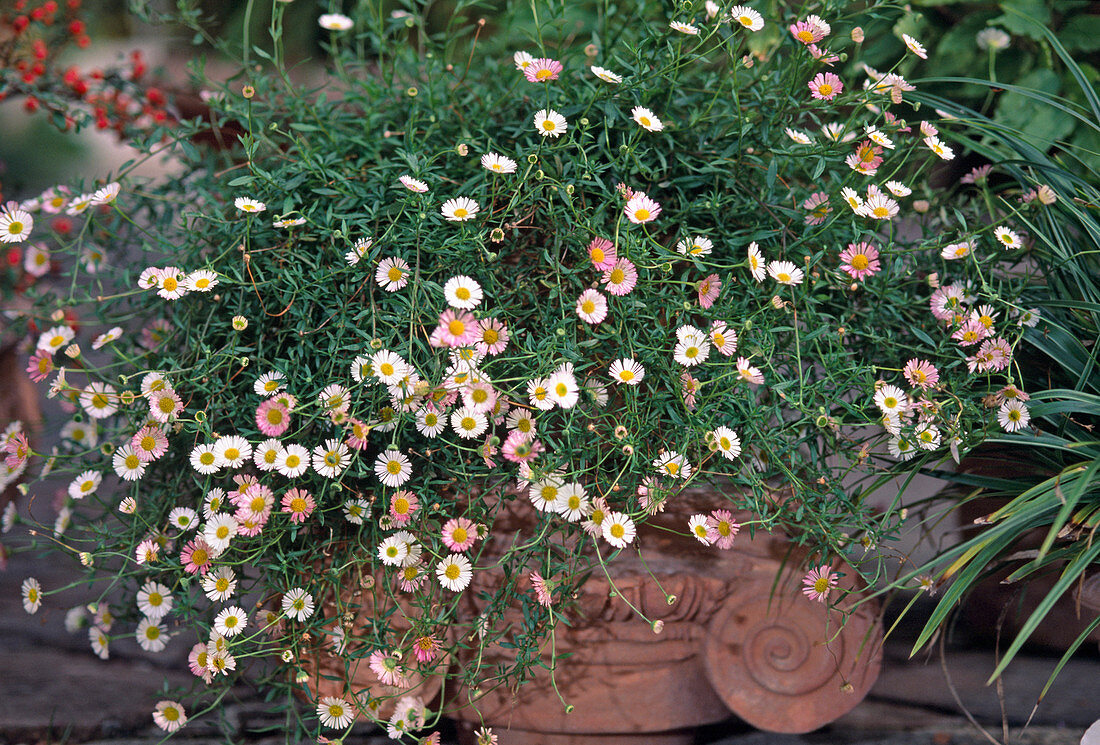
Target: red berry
76	27
14	256
83	41
62	225
20	24
38	14
40	50
31	104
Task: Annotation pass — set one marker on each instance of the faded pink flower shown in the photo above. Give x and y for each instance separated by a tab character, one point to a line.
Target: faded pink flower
818	582
621	278
708	289
826	86
860	260
542	70
272	418
459	534
920	373
542	592
602	253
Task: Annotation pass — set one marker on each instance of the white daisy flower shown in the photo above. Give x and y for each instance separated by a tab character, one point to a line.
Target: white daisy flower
468	422
914	46
1007	238
697	246
266	455
358	251
697	526
183	518
392	273
618	529
331	459
154	600
244	204
1013	415
204	460
462	292
459	209
626	371
393	551
547	494
127	464
335	22
298	604
498	163
84	484
785	273
563	389
429	422
550	123
757	264
232	451
606	75
646	119
269	384
219	584
335	713
454	572
891	400
231	621
671	463
106	194
413	184
389	367
799	137
15	224
747	17
219	531
522	60
53	339
572	502
684	28
151	636
393	468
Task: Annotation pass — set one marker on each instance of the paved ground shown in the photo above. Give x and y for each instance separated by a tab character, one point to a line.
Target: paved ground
53	690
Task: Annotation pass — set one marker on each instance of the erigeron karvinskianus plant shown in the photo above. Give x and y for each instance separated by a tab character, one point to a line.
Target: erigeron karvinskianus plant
461	277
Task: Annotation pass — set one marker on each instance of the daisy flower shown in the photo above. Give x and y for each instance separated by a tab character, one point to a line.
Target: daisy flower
641	209
697	526
747	17
756	263
31	592
748	373
684	28
498	163
955	251
244	204
708	289
592	306
288	222
818	205
877	137
618	529
572	502
220	584
183	518
522	60
413	184
621	278
272	418
293	460
727	442
298	504
721	529
692	350
943	151
165	405
358	250
891	400
335	22
462	292
15	224
127	464
697	246
1007	238
393	551
927	436
1013	415
898	189
785	273
602	253
169	716
800	138
79	205
154	600
387	666
429	422
331	459
859	260
150	443
606	75
818	582
454	572
99	400
459	534
469	423
200	280
542	70
36	260
920	373
100	642
538	392
355	510
826	86
393	468
459	209
879	206
84	484
269	384
550	123
232	451
647	119
298	604
914	46
563	388
672	464
807	32
455	329
151	636
492	336
626	371
335	713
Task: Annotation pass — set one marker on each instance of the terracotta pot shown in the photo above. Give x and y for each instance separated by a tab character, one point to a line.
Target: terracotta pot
734	640
18	401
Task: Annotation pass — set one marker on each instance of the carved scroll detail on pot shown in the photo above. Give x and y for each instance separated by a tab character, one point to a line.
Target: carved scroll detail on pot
780	665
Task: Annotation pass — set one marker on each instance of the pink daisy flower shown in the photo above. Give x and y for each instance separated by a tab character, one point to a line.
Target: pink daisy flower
970	332
818	582
459	534
621	278
358	434
818	205
40	365
689	386
457	328
592	306
272	418
489	449
299	504
825	86
721	528
947	303
920	373
602	253
387	666
722	338
520	447
542	70
149	443
708	289
403	504
641	209
196	556
860	260
807	33
492	336
542	592
426	649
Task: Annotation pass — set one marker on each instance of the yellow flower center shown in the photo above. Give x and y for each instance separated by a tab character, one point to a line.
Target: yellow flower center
543	74
588	307
456	327
462	293
626	376
860	262
99	401
548	125
617	530
170	284
132	461
232	453
641	213
461	212
393	467
598	255
15	227
453	571
468	423
459	535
